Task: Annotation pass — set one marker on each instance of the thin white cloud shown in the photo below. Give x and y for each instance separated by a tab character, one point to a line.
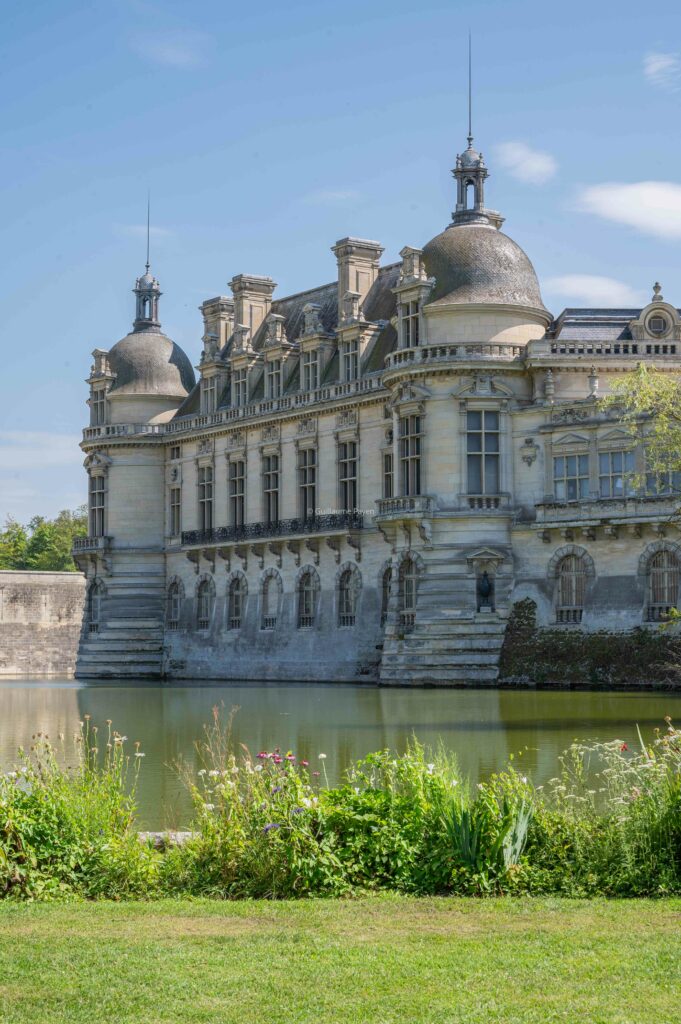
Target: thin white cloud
21	451
331	196
653	207
663	70
183	50
525	163
594	290
140	231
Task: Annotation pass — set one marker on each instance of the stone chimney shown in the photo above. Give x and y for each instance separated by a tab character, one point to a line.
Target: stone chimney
252	299
358	262
218	319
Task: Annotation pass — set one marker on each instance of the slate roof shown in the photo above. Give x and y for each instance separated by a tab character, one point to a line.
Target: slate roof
593	324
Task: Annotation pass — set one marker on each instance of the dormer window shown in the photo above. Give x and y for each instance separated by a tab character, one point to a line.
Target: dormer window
98	406
310	370
239	388
410	324
209	386
657	325
350	359
273	379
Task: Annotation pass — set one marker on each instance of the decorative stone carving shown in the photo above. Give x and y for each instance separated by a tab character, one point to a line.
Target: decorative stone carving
571	414
276	332
206	446
237	439
352	310
271	433
312	323
346	418
529	451
307	426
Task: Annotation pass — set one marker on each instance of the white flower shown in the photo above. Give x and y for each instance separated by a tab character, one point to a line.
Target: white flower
454	782
209	807
234	769
213	774
322	757
431	768
523	778
137	754
258	768
202	771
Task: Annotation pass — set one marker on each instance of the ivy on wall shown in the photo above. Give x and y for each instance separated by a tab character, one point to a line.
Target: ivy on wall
571	657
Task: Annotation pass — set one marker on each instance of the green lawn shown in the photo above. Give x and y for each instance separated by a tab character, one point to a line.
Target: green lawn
372	960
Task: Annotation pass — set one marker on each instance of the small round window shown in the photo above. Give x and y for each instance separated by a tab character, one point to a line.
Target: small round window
657	325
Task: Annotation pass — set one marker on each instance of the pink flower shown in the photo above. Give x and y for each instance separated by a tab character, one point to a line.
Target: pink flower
305	763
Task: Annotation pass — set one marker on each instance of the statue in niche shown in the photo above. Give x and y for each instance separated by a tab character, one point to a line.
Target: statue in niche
485	593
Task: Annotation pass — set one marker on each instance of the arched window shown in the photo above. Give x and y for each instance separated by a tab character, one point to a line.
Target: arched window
348	595
408	588
94	605
307	599
663	585
386	580
173	605
270	602
204	604
237	597
571	577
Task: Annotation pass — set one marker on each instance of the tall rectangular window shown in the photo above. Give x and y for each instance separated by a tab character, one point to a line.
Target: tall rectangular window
482	446
97	505
237	492
209	387
410	324
98	407
273	379
388	487
175	451
571	477
347	475
307	482
175	511
270	479
664	482
205	497
310	370
350	360
239	387
615	474
410	454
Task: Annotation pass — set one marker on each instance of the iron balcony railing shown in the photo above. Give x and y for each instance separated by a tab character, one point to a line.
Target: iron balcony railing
250	532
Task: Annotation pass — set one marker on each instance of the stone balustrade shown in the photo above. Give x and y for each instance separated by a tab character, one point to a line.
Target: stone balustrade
455	351
595	509
253	532
406	504
82	545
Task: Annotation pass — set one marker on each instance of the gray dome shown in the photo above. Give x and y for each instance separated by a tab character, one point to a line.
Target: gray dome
147	281
477	263
470	157
149	363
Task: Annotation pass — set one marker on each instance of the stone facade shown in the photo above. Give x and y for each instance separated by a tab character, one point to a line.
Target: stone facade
41	614
368	475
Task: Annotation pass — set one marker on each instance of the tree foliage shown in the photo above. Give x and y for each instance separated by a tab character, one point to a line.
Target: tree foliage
42	544
648	403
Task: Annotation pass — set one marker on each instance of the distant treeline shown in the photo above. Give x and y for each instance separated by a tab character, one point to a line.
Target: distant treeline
42	544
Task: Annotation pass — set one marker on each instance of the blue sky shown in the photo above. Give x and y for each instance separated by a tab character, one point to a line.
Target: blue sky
267	131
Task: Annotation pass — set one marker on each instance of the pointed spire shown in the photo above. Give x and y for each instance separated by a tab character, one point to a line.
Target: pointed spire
148	222
470	92
147	290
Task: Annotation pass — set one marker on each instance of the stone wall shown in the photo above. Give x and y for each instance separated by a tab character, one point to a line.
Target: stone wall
41	615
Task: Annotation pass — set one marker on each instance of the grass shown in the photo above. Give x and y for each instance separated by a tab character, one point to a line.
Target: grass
371	961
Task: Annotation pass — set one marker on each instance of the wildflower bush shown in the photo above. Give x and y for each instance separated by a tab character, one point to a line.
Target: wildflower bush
71	830
270	826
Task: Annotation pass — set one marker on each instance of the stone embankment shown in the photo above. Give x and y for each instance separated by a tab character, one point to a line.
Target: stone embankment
41	616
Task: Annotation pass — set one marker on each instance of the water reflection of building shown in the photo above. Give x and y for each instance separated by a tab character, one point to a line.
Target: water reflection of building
29	708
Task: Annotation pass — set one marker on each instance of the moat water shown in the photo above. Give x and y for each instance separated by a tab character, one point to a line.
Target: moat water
345	722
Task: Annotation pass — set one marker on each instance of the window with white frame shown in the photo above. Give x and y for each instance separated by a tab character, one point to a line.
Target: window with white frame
571	583
350	359
237	492
571	477
310	370
408	586
97	505
410	454
240	387
270	483
388	474
663	585
175	518
386	581
348	594
347	475
205	483
273	378
98	406
204	604
616	473
307	599
270	602
209	389
237	596
307	482
410	324
173	605
482	451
